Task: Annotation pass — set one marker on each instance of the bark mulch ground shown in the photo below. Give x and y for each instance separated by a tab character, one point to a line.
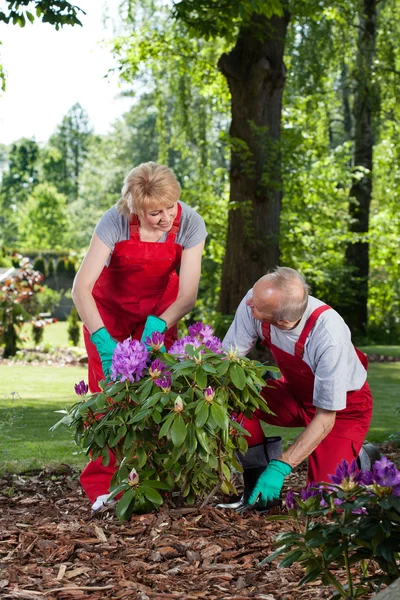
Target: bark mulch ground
52	548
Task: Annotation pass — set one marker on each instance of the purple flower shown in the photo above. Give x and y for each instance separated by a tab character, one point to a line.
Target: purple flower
201	331
385	473
214	344
345	475
291	501
365	478
157	368
164	383
178	347
129	360
81	388
310	491
156	341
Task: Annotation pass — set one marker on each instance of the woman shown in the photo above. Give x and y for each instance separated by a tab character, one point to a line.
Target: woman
128	284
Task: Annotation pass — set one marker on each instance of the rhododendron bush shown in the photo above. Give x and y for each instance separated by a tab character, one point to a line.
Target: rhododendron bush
173	420
353	519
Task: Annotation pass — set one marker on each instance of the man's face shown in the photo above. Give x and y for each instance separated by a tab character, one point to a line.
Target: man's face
263	303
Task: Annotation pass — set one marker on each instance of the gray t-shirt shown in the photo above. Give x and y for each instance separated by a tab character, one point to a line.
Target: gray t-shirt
114	227
328	350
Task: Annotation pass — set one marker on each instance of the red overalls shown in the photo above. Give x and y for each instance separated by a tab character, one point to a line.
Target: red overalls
291	399
141	280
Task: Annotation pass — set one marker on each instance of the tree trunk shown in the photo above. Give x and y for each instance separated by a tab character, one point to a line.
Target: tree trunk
256	76
357	254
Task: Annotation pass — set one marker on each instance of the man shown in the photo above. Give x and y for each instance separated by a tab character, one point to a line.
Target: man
323	385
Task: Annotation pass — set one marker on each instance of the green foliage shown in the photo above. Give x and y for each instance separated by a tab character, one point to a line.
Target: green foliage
178	434
74	327
339	526
16	296
40	265
66	152
55	12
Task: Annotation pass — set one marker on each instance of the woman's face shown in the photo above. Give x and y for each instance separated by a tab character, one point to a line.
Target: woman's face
160	219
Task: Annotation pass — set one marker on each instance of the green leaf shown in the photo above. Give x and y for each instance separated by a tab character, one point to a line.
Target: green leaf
202	414
142	414
219	416
178	431
237	375
203	440
223	367
152	494
166	425
124	504
201	377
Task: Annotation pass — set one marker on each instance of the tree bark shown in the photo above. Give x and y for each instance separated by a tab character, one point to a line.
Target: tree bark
357	254
255	73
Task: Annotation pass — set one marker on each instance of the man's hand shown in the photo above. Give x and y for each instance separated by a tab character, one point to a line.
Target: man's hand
105	346
153	325
270	482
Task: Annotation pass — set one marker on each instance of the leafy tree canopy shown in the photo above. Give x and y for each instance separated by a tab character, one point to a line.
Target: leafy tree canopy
55	12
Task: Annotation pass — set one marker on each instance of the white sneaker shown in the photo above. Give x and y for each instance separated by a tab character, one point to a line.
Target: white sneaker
102	502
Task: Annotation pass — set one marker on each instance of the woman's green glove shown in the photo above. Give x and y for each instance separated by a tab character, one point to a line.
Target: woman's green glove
270	482
153	325
105	346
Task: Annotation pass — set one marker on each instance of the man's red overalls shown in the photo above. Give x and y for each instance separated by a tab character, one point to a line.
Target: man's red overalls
141	280
291	399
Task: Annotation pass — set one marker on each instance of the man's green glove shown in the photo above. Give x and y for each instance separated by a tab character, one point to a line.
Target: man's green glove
153	325
105	346
270	482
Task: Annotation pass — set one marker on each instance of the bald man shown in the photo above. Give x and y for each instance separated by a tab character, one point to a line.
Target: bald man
323	387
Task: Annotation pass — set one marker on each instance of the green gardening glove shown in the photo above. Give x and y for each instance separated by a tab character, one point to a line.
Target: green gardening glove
105	346
153	325
270	482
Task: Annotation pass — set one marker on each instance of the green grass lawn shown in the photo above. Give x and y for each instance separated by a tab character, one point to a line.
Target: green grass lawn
31	395
34	393
54	335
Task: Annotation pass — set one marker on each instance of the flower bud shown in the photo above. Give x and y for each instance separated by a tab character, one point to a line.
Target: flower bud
209	394
178	405
81	388
133	478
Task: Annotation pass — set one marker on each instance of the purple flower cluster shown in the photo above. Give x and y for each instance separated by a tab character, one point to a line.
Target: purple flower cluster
199	335
129	360
81	388
383	479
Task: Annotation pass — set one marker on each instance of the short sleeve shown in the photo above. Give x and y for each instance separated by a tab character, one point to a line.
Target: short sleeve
192	229
112	228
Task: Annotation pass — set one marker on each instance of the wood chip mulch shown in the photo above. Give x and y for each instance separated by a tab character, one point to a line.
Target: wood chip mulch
52	548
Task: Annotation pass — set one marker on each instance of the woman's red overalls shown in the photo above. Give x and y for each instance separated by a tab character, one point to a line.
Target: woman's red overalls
291	399
141	280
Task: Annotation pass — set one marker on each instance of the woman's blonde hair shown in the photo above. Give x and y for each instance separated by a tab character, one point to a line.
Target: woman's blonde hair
148	186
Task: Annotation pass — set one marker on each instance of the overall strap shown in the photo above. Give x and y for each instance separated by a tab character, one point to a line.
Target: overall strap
134	228
299	346
266	331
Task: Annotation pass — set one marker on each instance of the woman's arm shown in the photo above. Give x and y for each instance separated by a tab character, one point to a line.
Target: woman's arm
89	271
189	277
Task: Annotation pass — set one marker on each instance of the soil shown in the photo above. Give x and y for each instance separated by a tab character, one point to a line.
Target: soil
51	547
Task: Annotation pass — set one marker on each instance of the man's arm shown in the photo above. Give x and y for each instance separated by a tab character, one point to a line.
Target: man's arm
270	482
310	438
243	333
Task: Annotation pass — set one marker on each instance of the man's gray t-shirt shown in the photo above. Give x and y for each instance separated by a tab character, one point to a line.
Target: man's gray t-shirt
328	350
114	227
